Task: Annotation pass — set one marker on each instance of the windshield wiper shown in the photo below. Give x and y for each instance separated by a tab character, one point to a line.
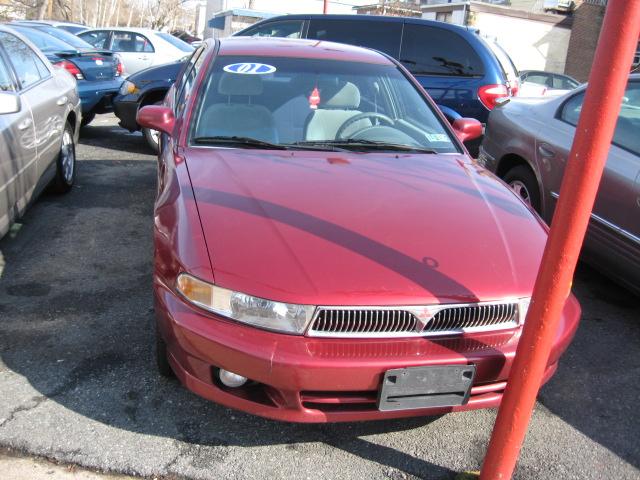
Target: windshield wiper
368	144
235	140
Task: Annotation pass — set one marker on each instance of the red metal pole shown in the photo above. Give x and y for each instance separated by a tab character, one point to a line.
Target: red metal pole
607	82
325	6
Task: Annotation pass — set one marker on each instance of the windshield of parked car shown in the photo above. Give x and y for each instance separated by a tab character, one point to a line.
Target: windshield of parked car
315	104
44	41
66	37
176	42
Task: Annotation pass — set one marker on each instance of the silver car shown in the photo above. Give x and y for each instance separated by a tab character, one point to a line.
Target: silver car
39	123
527	144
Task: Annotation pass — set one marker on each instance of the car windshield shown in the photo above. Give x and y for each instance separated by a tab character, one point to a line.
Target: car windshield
311	103
176	42
65	36
44	41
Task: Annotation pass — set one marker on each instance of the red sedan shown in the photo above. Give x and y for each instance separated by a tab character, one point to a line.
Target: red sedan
325	249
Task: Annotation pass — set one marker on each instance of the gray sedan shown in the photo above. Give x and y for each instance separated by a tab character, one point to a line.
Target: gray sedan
39	123
527	144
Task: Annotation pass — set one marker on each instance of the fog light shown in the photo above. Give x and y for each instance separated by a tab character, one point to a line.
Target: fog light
231	379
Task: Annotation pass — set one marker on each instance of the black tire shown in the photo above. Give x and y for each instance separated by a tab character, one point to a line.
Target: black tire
152	139
65	163
522	180
87	119
152	136
162	360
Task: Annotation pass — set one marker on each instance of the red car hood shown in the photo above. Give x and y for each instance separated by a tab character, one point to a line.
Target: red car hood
362	229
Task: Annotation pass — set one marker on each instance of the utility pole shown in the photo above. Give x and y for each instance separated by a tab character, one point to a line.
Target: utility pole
325	6
591	144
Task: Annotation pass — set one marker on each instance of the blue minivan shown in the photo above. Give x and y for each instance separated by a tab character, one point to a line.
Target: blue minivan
458	68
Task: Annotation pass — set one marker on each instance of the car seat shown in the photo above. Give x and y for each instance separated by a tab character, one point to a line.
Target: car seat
238	116
338	103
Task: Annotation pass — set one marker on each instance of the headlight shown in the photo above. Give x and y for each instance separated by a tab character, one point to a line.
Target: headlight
128	88
255	311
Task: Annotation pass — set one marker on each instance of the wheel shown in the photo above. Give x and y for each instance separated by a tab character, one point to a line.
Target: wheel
66	162
162	360
522	181
153	138
87	119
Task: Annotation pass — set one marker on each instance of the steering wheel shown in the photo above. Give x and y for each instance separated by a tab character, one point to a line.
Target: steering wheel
362	116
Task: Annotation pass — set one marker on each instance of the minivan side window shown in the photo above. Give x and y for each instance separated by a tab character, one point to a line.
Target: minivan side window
382	36
284	29
436	51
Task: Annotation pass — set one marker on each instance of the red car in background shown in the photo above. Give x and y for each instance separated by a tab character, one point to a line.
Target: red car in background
325	249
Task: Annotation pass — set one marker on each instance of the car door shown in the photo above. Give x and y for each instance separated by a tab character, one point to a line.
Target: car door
136	50
40	91
18	150
613	237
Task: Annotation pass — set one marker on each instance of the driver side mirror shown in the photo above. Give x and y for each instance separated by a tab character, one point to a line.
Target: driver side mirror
9	103
467	129
156	117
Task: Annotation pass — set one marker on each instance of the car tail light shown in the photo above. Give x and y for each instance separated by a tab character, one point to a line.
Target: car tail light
71	68
489	94
514	87
119	67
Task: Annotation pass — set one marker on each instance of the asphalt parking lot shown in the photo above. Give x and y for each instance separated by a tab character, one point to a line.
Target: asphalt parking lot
79	385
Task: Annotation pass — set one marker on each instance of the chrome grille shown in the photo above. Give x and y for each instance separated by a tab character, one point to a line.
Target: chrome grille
472	316
356	321
413	321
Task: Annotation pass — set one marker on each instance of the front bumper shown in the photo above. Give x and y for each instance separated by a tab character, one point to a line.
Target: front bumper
126	112
97	96
304	379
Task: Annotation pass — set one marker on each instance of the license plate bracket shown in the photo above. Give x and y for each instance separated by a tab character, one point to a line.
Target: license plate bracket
426	387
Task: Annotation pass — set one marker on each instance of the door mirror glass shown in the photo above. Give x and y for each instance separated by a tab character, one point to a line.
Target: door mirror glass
9	103
156	117
467	129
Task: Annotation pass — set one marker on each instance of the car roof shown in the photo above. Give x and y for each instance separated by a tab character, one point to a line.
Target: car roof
298	48
146	31
371	18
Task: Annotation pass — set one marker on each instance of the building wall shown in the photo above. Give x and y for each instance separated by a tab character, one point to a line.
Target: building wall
531	44
587	22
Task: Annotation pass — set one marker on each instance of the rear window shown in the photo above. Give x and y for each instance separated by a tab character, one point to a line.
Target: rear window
436	51
382	36
65	36
176	42
43	41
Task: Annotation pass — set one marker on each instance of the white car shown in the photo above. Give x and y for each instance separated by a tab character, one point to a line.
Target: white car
139	48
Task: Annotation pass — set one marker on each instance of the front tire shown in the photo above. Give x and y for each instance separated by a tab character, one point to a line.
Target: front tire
153	138
162	360
66	162
523	182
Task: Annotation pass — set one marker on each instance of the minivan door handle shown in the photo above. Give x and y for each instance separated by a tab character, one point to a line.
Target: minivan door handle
546	151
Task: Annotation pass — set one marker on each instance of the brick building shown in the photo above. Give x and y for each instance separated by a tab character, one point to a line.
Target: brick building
587	22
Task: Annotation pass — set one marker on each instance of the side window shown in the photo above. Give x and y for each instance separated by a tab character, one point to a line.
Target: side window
131	42
437	51
99	39
285	29
539	79
571	110
28	66
626	134
188	77
6	83
383	36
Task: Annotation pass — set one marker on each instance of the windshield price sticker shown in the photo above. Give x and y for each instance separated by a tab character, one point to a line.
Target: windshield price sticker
249	68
